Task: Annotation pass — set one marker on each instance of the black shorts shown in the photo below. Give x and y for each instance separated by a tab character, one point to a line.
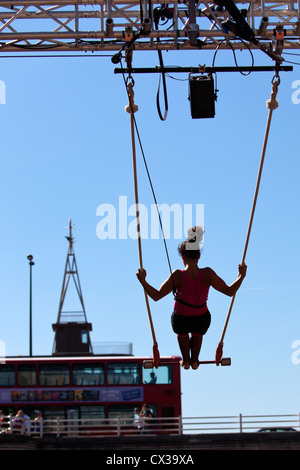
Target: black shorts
183	324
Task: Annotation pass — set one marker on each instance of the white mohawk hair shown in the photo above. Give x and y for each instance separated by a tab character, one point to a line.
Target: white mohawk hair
195	234
195	237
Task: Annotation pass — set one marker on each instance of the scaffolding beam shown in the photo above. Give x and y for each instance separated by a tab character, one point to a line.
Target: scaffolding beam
106	25
200	70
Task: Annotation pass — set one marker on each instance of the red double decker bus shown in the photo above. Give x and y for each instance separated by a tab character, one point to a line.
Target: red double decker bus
90	387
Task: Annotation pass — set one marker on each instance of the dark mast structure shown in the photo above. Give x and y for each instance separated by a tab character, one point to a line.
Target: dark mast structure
72	331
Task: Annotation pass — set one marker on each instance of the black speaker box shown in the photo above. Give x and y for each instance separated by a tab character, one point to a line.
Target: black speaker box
202	96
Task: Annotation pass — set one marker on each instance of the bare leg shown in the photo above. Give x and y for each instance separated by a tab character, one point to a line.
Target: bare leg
184	345
195	345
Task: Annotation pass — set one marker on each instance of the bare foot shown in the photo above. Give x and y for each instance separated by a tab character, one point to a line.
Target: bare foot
185	365
195	365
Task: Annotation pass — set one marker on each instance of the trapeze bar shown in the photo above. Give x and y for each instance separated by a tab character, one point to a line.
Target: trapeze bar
226	361
203	69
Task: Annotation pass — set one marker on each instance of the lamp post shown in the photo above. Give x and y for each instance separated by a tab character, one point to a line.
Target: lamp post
31	263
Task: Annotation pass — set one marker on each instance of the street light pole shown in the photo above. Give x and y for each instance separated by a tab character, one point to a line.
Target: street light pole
31	263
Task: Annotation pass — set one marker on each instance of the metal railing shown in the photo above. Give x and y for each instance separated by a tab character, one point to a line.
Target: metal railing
120	426
240	423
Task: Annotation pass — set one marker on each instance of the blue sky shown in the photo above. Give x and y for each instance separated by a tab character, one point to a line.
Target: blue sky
66	150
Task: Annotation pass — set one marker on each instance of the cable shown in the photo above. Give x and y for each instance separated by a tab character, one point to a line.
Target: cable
292	53
234	55
162	75
150	181
290	62
251	54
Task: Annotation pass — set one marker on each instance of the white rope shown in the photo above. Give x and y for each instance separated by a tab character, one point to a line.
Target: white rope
131	108
271	104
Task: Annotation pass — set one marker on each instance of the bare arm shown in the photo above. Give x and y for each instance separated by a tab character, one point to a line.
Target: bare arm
173	280
217	283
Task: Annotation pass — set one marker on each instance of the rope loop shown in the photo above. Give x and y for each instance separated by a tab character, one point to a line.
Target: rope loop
131	108
272	103
129	80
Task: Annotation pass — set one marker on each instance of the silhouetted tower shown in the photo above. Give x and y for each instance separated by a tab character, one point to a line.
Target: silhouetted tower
72	331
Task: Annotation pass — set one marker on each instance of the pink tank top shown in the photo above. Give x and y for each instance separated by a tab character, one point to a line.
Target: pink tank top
191	297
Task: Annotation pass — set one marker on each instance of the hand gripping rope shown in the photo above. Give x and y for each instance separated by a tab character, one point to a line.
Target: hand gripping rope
131	109
271	104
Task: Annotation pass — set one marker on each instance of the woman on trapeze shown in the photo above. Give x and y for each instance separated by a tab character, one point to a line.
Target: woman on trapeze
191	317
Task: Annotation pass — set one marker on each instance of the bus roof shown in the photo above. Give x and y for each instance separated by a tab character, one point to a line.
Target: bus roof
85	358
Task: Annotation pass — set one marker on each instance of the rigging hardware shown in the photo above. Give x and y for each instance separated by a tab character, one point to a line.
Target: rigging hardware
100	25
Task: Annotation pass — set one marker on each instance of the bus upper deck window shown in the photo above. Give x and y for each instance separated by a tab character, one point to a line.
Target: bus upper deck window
87	374
54	375
162	375
26	375
123	373
7	375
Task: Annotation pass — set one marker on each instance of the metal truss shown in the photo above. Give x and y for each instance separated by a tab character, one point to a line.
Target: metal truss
96	25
